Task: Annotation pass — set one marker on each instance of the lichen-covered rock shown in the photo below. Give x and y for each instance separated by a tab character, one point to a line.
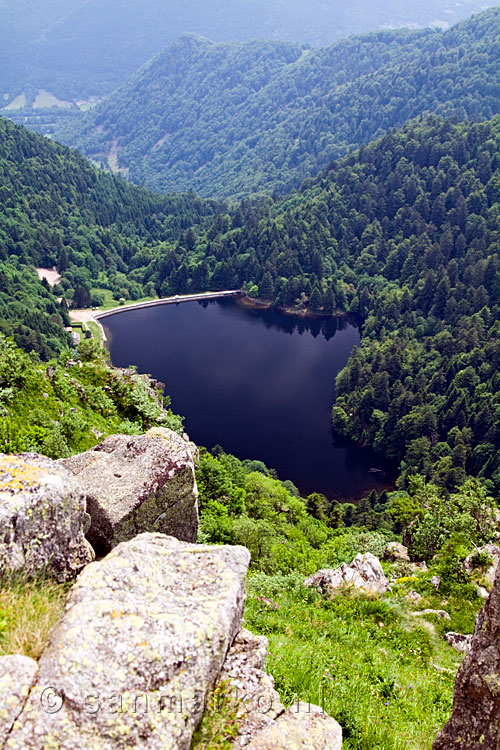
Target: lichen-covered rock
17	675
250	687
365	574
137	484
142	642
475	718
264	723
42	518
310	728
396	552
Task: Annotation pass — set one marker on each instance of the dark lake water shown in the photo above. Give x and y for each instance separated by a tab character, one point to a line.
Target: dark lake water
257	382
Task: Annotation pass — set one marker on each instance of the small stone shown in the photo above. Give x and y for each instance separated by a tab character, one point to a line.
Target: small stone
436	582
309	728
493	551
458	641
438	612
413	596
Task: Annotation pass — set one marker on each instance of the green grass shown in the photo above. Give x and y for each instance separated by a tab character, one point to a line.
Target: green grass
95	331
385	676
29	611
110	302
220	721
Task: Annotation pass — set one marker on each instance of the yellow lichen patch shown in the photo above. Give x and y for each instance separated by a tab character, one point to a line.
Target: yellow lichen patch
17	474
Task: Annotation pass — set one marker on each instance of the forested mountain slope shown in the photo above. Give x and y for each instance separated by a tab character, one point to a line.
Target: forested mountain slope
56	209
236	119
406	233
80	48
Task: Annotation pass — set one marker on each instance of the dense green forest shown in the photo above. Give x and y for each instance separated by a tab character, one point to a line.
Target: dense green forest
82	48
239	119
59	210
404	233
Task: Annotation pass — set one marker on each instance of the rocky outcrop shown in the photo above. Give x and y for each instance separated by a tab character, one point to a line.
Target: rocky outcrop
251	689
137	484
142	642
17	675
489	574
396	552
475	718
264	723
364	574
42	518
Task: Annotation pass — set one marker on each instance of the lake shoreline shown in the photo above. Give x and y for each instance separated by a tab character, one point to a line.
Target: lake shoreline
256	303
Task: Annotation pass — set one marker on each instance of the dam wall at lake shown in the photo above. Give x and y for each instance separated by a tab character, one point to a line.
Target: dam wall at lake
178	299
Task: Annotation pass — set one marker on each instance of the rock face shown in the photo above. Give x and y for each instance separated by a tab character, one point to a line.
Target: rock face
475	719
364	574
396	552
17	674
42	518
264	722
138	484
143	640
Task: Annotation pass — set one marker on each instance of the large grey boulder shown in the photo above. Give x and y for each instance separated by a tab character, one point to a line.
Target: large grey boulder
475	718
42	518
17	675
364	574
264	723
137	484
142	642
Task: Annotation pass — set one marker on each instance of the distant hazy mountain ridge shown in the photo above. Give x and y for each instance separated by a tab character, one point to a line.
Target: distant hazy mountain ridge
235	119
80	48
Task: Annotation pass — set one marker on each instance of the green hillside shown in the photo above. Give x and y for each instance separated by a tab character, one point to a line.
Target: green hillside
405	233
56	209
239	119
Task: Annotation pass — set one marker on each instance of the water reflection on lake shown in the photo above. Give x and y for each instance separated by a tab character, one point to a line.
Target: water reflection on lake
257	382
